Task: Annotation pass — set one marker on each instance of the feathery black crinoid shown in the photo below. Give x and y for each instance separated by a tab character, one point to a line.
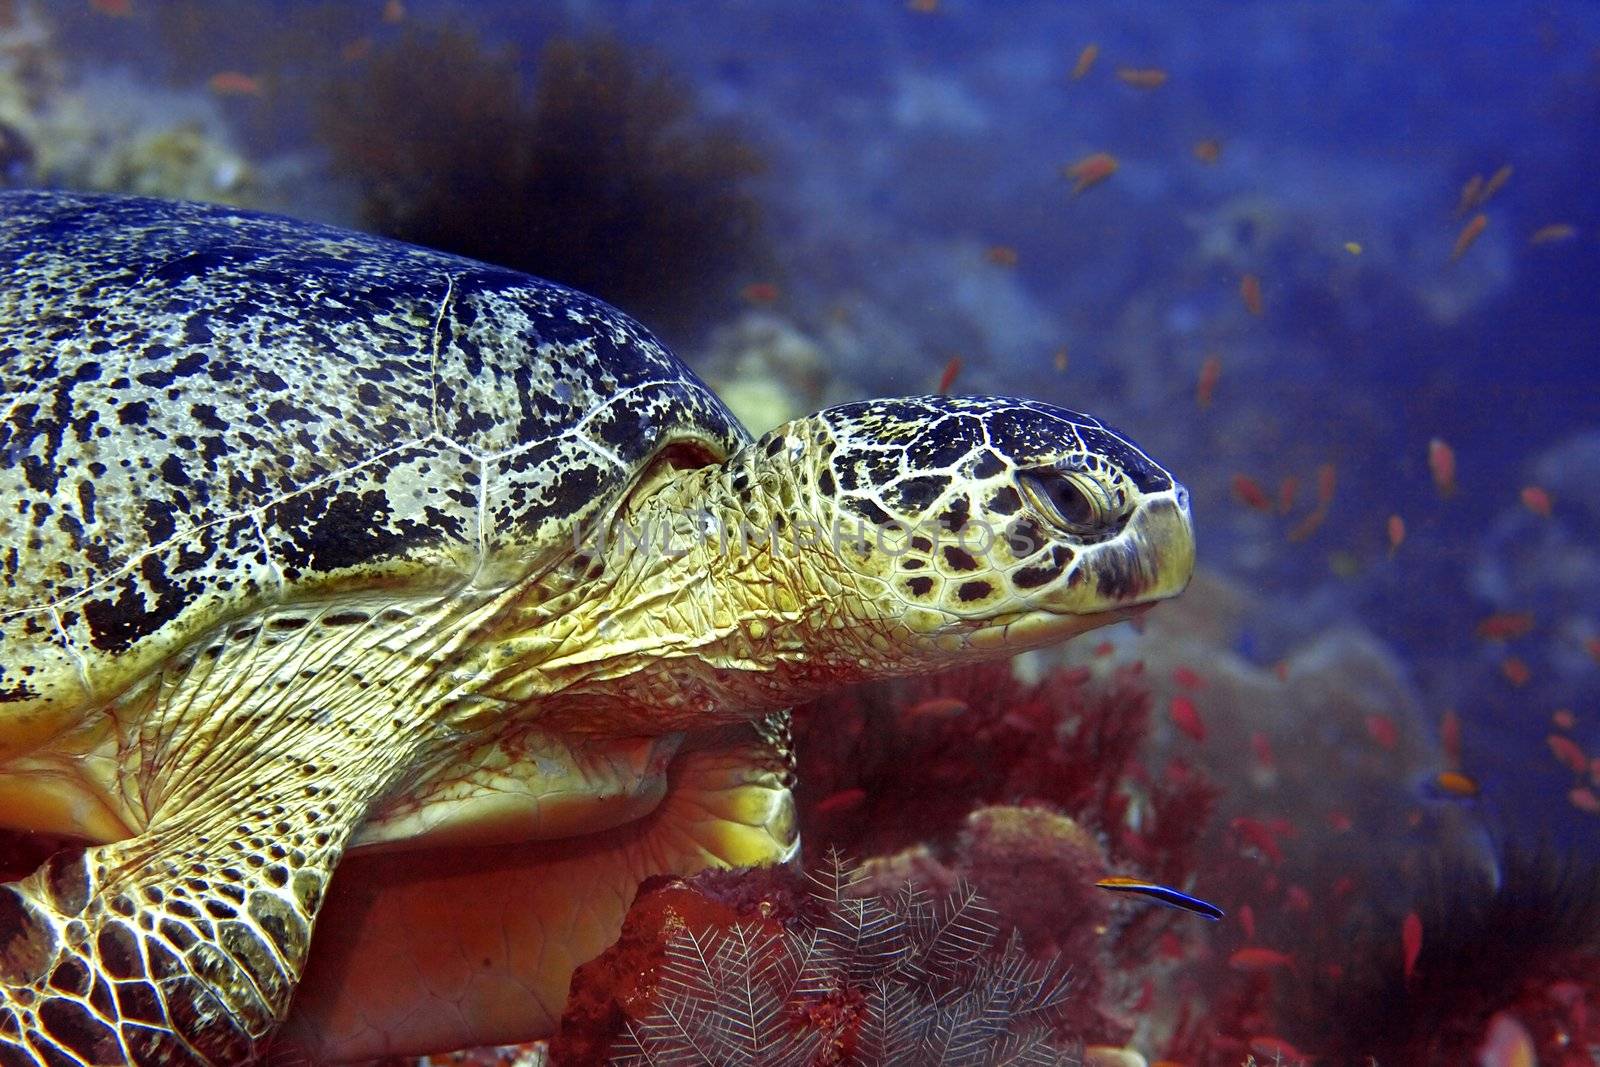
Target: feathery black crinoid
909	979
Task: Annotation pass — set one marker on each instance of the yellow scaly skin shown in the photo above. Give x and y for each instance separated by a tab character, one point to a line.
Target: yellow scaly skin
750	585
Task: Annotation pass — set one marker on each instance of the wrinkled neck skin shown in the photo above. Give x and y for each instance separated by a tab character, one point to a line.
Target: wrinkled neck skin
695	613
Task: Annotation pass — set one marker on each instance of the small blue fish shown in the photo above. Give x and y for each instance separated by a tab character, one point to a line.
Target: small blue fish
1166	896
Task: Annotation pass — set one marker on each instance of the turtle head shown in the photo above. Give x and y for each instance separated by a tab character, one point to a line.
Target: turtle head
870	540
957	527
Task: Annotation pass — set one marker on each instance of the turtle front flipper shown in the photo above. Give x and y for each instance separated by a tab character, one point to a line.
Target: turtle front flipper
181	946
251	762
436	949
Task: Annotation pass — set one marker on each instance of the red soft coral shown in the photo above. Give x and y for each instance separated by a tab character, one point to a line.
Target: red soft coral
843	976
896	764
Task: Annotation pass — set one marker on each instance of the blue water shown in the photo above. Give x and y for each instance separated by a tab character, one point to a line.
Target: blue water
902	144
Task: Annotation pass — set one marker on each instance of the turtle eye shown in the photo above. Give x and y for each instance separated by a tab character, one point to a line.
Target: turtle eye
1072	501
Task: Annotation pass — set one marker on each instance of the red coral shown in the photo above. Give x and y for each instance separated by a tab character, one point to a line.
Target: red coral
909	771
1517	931
621	983
924	752
844	977
1037	870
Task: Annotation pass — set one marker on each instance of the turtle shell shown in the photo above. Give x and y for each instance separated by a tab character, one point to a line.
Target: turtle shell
207	410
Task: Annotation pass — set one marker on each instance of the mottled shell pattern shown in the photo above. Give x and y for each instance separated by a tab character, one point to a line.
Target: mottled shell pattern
207	410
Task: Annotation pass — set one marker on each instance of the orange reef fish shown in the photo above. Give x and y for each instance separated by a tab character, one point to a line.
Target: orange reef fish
1471	194
1442	464
1568	754
1187	678
234	83
951	371
1142	77
1061	360
1592	646
1383	731
759	293
1248	492
1411	941
934	708
1001	255
1536	500
840	802
1495	182
1210	371
1259	836
1085	61
1396	529
1556	231
1208	151
1166	896
1456	784
1563	719
1327	481
357	50
1090	171
1257	960
1261	748
394	11
1250	293
117	9
1504	625
1469	233
1583	798
1515	670
1186	717
1286	493
1450	736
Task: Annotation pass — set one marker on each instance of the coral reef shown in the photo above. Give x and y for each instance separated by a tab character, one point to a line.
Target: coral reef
1037	870
724	969
181	161
1517	937
1030	791
603	178
1027	792
108	131
1322	730
768	371
891	766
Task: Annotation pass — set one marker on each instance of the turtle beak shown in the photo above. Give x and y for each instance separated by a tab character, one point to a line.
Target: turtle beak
1150	560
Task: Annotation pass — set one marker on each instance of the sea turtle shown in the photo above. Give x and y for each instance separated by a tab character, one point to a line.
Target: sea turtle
319	543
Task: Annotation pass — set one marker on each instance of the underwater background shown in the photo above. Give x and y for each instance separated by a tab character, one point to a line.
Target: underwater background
1337	264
